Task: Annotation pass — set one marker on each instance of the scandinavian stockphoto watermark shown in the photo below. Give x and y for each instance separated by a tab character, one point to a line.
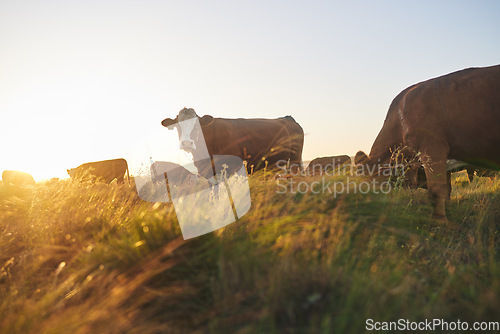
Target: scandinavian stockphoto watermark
163	172
327	180
327	186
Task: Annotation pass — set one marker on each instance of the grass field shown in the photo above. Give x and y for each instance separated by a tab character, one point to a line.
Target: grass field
92	258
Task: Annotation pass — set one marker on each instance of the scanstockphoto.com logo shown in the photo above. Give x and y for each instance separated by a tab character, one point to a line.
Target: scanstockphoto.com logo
163	172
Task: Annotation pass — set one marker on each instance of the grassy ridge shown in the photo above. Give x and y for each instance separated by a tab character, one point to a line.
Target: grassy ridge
89	258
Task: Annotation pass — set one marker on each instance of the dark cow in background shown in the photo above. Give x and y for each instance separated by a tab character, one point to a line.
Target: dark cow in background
327	165
452	166
455	116
17	178
253	140
105	171
175	174
169	180
457	166
481	172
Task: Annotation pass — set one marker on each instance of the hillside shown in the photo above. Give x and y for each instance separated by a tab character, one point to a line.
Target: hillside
85	258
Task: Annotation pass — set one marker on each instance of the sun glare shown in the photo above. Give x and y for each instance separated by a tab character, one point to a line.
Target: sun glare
49	123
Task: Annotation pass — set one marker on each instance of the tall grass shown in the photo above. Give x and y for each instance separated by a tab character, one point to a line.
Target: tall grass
91	258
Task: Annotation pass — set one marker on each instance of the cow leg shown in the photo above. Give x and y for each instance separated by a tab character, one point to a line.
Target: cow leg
470	174
412	177
438	186
296	154
448	183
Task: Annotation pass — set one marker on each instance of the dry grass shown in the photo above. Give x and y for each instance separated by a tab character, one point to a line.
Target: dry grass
83	258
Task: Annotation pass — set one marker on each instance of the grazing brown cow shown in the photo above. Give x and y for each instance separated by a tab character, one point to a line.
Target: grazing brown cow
170	179
457	166
480	172
176	174
105	171
455	116
17	178
453	166
325	165
253	140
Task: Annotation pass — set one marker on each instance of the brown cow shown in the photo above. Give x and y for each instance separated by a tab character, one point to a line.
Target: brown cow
480	172
325	165
170	179
457	166
253	140
455	116
452	166
106	171
176	174
17	178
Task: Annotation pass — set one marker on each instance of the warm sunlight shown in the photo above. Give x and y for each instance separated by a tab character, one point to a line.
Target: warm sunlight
85	83
44	120
240	238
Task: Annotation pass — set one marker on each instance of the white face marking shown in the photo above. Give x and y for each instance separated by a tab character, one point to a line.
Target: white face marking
185	141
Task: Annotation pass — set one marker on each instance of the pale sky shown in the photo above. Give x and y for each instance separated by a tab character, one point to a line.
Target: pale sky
87	80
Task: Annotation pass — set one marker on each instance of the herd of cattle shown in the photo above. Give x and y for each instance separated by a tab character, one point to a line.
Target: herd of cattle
444	124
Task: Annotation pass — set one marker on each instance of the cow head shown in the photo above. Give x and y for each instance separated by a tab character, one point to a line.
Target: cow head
361	158
185	123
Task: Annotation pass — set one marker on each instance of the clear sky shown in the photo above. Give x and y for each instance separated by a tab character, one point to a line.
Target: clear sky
86	80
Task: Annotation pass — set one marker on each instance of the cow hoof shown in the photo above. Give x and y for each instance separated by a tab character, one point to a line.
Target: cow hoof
440	219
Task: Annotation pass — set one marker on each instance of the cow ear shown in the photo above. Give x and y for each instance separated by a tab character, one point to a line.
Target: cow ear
205	120
169	123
